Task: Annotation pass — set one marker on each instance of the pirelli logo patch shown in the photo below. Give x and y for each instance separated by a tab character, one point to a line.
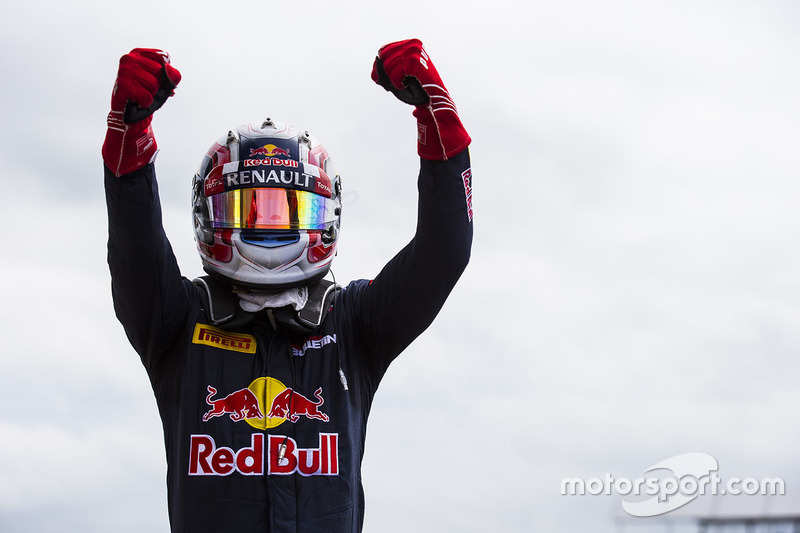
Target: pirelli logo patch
211	336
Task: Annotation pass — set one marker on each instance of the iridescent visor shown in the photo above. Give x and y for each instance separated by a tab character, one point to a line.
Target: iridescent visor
271	209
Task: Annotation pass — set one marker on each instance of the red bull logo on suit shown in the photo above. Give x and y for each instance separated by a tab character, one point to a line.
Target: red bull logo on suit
265	403
290	405
265	395
208	459
240	404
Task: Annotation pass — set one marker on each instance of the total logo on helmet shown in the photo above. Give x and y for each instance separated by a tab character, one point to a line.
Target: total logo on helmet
265	403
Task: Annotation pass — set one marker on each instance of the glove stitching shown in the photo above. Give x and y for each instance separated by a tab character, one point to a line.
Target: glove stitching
121	152
438	132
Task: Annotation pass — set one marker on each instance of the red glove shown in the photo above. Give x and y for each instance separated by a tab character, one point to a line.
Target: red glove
144	82
405	69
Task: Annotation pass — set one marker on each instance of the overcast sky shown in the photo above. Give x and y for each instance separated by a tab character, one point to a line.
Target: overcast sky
634	290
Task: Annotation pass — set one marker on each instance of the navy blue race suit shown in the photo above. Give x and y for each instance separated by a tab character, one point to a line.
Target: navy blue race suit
231	395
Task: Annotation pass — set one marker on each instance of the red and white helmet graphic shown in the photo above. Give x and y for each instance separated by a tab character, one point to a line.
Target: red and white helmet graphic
267	207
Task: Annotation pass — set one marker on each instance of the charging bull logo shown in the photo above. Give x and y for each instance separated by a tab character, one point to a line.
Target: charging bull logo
290	405
240	404
265	395
269	150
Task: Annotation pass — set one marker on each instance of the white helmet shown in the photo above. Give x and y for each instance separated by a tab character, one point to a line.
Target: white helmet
267	205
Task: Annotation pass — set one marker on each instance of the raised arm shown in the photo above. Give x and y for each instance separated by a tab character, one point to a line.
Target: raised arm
402	301
150	297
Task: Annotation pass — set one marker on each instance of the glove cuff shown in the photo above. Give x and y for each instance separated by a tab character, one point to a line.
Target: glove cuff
128	147
440	134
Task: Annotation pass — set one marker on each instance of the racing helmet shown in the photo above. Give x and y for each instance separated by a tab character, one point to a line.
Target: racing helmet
266	206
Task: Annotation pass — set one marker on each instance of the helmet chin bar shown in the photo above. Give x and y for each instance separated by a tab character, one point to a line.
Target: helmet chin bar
270	238
271	287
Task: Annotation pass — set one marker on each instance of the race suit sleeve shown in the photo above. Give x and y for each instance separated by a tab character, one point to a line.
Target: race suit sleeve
405	297
151	299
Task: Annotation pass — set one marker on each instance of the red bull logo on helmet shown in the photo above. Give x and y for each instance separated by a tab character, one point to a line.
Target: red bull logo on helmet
269	150
267	161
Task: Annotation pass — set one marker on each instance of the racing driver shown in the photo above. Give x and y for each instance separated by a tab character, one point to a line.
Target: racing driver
264	370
